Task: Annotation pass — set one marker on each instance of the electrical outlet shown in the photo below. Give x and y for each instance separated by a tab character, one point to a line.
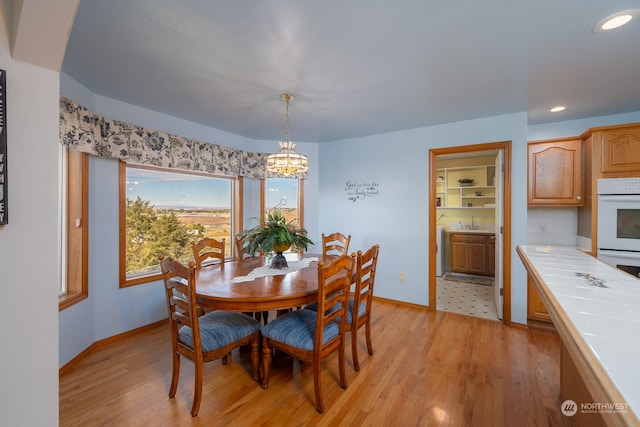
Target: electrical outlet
401	277
541	229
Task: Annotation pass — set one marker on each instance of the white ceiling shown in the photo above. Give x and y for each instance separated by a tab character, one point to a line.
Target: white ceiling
356	67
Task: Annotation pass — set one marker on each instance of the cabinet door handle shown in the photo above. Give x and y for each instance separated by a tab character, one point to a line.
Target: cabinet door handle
579	198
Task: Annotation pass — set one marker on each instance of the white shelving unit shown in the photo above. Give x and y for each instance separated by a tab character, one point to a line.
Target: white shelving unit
480	194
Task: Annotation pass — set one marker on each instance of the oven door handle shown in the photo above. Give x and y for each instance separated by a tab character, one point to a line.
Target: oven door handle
619	198
620	254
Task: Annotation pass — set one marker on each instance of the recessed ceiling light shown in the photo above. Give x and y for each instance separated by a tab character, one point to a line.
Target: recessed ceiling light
615	21
558	108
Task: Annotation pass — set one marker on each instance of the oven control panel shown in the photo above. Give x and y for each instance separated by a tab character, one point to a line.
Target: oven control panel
619	186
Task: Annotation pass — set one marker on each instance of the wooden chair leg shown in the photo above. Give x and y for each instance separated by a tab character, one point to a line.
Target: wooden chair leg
342	364
369	345
197	390
266	362
175	375
354	348
317	386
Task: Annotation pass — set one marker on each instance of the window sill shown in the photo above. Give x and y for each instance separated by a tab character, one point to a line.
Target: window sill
70	298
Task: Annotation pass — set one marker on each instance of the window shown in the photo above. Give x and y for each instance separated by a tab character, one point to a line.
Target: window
73	232
282	193
163	211
287	195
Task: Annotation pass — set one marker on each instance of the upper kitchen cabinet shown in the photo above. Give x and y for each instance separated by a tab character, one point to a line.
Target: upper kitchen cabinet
555	172
621	149
609	152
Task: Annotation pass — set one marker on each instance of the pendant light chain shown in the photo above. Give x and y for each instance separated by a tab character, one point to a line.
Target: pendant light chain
287	97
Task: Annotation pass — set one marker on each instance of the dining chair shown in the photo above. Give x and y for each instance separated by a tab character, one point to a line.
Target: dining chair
309	336
241	253
359	311
364	275
207	248
335	244
242	248
201	339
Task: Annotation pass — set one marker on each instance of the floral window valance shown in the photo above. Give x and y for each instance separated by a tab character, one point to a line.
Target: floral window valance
88	132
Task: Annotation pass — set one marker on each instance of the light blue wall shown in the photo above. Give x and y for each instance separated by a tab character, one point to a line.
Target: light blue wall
110	310
398	217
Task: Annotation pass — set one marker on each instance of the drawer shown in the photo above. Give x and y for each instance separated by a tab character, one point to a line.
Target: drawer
468	238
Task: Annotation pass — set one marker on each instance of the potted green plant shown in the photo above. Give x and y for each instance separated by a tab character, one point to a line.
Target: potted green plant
275	234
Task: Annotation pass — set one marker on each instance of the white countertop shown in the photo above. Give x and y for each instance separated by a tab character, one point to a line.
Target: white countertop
607	318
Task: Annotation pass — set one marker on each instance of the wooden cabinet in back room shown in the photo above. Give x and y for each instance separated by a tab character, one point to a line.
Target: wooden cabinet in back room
473	253
555	172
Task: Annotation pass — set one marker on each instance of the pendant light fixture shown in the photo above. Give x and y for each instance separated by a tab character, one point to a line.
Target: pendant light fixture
287	161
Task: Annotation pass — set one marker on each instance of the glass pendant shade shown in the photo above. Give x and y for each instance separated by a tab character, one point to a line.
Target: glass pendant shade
287	161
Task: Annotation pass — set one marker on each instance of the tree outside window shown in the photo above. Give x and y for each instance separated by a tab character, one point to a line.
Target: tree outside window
165	211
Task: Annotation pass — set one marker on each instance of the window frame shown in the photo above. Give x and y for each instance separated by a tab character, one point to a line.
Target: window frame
124	281
74	227
74	200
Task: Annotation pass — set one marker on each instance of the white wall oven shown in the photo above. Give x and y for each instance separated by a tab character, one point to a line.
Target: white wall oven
619	223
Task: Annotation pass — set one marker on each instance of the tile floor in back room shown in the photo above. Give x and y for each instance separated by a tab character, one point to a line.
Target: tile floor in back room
466	298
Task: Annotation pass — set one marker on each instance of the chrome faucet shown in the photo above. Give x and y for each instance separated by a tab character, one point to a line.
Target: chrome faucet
474	225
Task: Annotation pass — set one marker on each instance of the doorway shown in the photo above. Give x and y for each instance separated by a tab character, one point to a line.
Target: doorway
500	190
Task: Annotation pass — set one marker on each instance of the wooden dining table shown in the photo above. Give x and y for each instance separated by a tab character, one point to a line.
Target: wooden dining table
216	290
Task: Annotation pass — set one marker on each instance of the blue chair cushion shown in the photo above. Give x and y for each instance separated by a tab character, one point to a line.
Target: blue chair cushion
361	309
314	306
220	328
298	329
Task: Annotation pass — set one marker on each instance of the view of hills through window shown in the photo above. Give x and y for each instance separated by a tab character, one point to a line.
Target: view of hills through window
168	210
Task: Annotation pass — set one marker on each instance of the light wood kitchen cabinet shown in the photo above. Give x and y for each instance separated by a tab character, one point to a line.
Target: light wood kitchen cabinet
621	150
555	172
535	307
469	254
608	152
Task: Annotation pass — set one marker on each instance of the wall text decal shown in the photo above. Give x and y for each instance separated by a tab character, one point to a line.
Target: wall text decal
361	190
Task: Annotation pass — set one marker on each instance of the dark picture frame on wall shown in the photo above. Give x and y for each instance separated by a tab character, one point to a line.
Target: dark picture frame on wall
4	217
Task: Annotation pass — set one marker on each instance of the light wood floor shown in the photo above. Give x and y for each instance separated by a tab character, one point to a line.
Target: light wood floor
428	369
